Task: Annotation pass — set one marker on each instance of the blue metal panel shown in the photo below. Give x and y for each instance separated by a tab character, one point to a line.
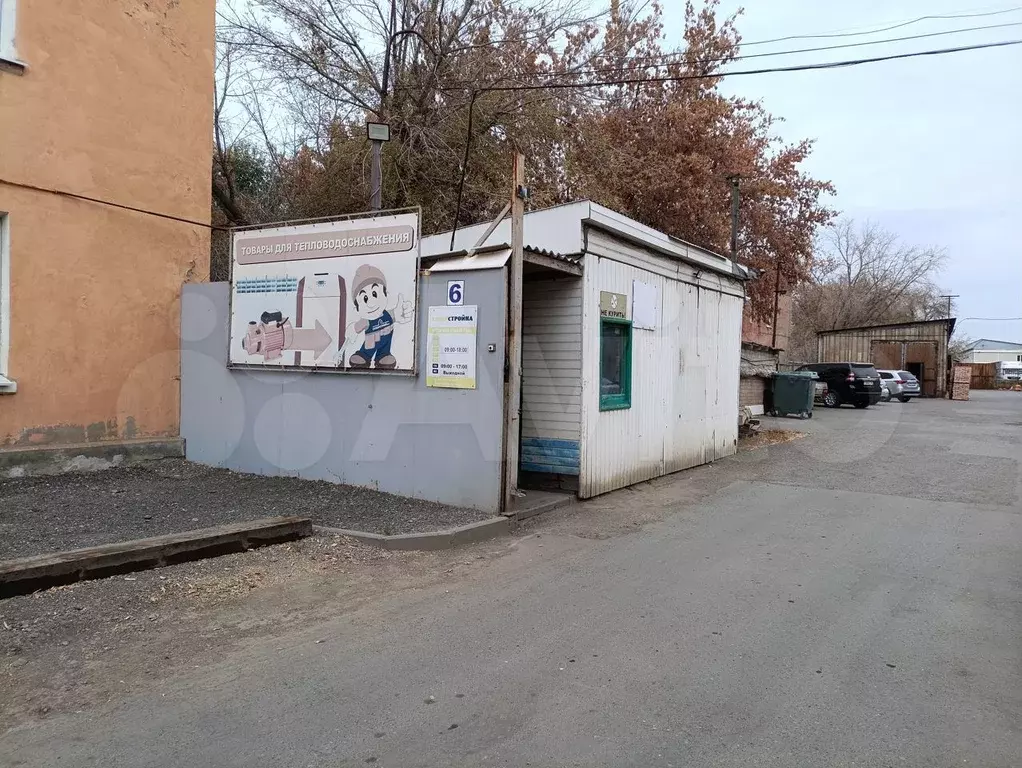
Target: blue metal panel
557	457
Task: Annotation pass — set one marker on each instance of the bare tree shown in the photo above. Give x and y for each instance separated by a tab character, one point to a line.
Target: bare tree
958	345
464	83
225	193
864	275
419	65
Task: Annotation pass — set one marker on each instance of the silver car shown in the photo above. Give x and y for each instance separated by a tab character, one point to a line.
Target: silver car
901	384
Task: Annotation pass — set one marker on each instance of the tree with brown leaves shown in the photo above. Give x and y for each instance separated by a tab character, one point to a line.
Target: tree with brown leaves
502	76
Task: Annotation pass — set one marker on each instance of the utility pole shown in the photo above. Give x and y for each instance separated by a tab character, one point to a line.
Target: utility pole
949	297
379	130
513	384
777	300
376	177
735	202
949	379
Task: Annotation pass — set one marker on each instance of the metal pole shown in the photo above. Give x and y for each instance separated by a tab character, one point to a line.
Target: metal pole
464	167
376	172
385	79
513	386
777	299
376	178
948	381
949	297
735	202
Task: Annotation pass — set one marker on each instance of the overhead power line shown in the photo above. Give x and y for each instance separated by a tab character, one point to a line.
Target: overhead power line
898	25
798	68
100	201
748	44
741	72
818	36
591	84
660	62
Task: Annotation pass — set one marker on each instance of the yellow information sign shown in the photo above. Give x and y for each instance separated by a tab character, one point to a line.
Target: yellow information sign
451	347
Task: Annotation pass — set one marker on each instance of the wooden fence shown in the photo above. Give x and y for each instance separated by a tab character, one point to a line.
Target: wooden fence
984	376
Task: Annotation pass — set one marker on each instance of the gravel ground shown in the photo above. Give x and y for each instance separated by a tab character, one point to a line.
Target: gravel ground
71	511
76	646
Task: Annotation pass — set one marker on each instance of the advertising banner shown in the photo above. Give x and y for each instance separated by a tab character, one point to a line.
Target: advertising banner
451	347
333	295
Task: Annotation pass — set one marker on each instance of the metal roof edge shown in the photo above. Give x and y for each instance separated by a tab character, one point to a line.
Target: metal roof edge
722	265
488	257
627	228
752	345
950	320
464	252
1012	345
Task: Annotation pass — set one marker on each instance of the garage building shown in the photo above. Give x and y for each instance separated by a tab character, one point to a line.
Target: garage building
921	348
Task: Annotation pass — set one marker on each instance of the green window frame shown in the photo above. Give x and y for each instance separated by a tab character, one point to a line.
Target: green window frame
613	329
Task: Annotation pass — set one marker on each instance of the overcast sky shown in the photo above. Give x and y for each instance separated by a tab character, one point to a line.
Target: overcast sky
929	147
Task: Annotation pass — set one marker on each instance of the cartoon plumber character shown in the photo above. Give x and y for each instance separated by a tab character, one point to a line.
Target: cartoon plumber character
369	294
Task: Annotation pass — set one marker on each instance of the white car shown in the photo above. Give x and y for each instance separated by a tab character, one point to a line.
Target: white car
901	384
885	391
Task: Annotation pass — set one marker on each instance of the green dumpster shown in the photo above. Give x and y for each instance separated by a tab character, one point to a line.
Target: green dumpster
793	393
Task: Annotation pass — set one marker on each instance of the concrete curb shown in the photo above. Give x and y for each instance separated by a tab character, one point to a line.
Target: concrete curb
28	574
548	506
433	540
78	457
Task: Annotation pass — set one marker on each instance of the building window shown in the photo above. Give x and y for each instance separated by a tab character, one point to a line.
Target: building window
615	364
8	15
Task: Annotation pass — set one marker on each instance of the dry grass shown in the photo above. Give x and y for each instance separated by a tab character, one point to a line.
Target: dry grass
767	437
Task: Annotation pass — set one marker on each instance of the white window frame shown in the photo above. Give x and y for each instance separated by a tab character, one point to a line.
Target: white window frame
7	385
9	30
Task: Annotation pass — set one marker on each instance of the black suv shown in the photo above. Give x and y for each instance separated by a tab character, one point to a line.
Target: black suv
854	383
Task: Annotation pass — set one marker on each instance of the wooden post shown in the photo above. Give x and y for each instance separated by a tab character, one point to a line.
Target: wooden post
513	385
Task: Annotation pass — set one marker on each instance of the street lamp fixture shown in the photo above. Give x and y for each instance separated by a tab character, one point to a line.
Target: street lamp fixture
378	131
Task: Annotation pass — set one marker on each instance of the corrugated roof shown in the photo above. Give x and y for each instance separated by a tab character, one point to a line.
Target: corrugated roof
561	229
491	255
571	258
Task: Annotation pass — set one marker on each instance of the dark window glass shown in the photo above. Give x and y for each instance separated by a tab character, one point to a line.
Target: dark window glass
615	365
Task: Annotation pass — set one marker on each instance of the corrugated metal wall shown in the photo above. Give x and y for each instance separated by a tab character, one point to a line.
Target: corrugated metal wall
862	345
684	403
551	375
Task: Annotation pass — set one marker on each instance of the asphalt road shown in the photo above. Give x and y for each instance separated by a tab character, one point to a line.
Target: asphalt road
851	598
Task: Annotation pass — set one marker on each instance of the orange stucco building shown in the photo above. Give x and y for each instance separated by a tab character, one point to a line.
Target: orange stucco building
109	100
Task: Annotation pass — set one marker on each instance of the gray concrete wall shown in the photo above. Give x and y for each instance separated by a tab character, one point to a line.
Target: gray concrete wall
388	432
